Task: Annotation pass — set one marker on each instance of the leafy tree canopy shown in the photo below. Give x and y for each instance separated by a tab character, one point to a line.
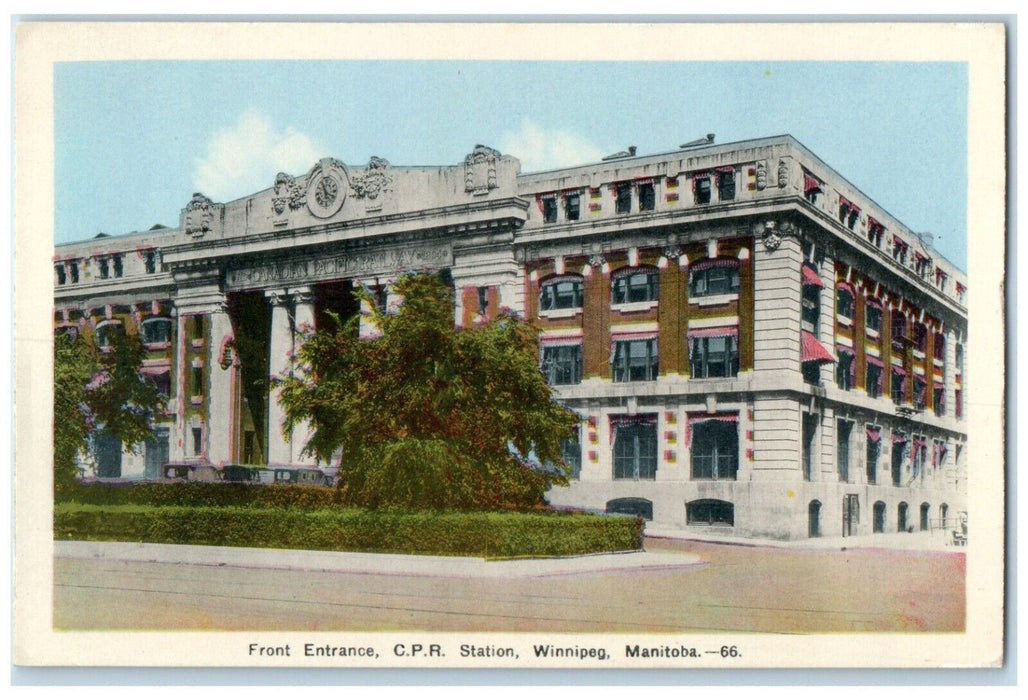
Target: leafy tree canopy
426	413
97	390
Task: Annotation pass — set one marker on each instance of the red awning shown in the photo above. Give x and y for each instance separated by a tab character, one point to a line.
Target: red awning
813	351
811	278
810	184
717	332
898	242
874	433
848	204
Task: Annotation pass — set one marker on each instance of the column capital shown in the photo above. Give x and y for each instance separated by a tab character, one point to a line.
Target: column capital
277	297
302	295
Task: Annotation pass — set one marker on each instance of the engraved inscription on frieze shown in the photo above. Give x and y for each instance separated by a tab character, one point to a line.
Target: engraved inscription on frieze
375	262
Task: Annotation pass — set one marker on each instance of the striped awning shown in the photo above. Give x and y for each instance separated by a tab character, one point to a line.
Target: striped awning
811	350
810	278
715	332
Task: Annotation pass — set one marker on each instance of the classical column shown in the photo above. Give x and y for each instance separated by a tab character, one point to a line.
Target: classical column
179	399
303	320
279	448
220	406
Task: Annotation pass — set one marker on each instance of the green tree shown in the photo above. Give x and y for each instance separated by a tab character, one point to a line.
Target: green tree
428	415
98	390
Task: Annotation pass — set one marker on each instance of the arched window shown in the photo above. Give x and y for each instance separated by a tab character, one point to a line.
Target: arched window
879	517
943	515
714	276
106	331
155	331
631	506
901	518
634	284
814	519
925	508
560	292
709	511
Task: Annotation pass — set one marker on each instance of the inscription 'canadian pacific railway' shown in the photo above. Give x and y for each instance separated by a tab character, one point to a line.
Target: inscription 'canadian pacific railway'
378	262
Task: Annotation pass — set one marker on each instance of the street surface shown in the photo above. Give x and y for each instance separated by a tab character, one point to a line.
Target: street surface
739	588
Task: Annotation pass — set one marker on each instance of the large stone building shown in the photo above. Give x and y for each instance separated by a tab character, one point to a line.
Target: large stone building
752	343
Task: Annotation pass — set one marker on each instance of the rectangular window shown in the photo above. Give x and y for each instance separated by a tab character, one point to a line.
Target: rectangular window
73	272
920	390
561	293
483	300
715	448
635	448
549	210
897	386
844	301
701	189
899	330
873	380
875	232
873	318
571	452
634	360
958	403
196	384
562	364
62	275
647	197
713	356
939	346
572	205
845	370
726	184
874	448
939	400
162	382
105	268
197	441
710	279
842	451
150	261
810	309
810	421
197	333
155	331
920	337
623	197
119	270
960	357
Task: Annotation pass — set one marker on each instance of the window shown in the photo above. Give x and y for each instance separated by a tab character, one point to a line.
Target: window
639	507
634	360
879	517
844	301
939	399
958	403
726	184
709	511
196	383
872	452
119	269
197	328
62	274
899	455
874	377
571	453
717	276
563	292
901	518
810	307
549	206
197	441
647	197
899	250
920	391
623	197
920	338
810	421
849	212
562	363
899	330
105	333
155	331
875	232
73	272
939	346
483	300
634	285
922	265
814	519
572	205
960	357
701	188
162	382
715	448
920	454
872	318
845	369
898	385
150	261
842	451
811	187
714	355
811	372
961	289
104	267
635	447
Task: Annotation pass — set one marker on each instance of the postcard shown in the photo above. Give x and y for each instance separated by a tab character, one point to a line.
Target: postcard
509	345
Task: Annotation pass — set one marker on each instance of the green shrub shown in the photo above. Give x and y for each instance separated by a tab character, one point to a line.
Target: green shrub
485	534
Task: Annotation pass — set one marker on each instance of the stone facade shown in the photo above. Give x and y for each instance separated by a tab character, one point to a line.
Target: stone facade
754	346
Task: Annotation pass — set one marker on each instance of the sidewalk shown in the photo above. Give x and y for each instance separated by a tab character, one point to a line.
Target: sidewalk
377	564
937	541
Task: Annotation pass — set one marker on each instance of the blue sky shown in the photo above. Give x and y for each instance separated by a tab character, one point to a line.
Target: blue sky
135	139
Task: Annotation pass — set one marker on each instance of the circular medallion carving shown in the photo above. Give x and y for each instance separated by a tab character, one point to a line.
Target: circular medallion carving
326	191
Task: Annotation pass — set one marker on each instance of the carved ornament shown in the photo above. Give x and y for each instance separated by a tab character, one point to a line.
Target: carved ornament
373	181
199	215
480	170
287	193
327	185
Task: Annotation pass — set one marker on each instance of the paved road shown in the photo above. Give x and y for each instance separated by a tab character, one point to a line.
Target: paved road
759	589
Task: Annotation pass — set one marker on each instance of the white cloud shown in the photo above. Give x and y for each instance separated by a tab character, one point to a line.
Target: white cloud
246	156
543	149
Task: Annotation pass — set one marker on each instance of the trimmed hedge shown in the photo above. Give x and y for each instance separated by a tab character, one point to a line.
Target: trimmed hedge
206	493
483	534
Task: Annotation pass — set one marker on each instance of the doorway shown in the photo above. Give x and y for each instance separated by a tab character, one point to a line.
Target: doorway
850	514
